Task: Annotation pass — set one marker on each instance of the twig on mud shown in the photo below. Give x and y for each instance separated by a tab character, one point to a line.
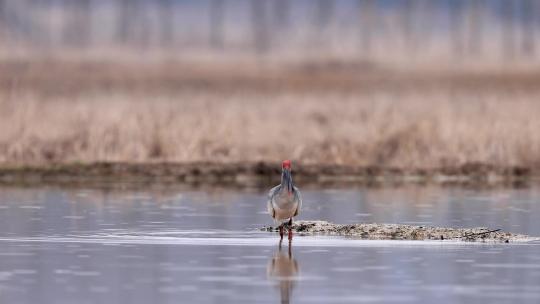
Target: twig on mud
480	233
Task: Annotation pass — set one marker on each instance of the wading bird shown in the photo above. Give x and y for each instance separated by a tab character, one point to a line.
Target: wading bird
284	200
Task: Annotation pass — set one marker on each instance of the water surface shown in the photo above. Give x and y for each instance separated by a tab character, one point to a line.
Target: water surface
144	245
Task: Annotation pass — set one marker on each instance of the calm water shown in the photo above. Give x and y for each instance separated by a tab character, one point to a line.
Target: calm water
202	246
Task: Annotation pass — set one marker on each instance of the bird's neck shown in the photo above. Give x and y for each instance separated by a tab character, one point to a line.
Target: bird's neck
286	181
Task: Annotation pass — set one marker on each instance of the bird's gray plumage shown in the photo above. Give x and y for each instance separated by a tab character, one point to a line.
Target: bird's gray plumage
284	200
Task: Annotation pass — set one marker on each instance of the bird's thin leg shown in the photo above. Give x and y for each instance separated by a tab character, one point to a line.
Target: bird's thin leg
281	232
290	229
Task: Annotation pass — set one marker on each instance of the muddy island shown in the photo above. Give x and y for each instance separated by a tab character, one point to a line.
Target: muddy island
405	232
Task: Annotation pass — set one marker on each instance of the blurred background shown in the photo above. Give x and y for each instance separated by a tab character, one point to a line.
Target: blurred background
399	83
388	31
139	138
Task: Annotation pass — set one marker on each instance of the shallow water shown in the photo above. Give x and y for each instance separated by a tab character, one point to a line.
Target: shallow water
146	245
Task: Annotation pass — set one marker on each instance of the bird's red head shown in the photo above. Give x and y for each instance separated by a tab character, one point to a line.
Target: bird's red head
286	164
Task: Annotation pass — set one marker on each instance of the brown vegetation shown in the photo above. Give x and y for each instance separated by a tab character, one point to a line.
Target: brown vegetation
353	115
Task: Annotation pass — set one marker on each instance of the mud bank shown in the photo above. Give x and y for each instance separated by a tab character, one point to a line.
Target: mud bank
405	232
262	174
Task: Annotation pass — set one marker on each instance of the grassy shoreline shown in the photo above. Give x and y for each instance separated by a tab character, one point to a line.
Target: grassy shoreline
262	174
365	119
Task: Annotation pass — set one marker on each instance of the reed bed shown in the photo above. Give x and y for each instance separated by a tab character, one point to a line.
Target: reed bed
403	129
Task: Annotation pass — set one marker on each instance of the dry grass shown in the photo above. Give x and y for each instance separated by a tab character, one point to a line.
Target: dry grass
404	131
407	128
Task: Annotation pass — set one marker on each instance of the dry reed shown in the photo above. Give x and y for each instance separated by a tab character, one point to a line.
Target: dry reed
414	129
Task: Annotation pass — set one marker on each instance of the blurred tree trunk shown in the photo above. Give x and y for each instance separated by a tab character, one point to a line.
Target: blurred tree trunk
367	28
15	24
8	22
122	26
508	29
2	12
84	15
125	11
281	22
217	24
456	29
407	21
411	12
475	13
528	26
77	28
141	23
282	13
3	21
323	14
427	18
167	16
40	31
132	23
259	23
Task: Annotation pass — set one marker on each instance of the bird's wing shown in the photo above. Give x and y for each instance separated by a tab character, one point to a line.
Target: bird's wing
270	209
298	198
269	205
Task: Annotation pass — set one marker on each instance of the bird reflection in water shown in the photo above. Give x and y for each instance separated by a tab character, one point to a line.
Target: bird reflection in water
283	269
